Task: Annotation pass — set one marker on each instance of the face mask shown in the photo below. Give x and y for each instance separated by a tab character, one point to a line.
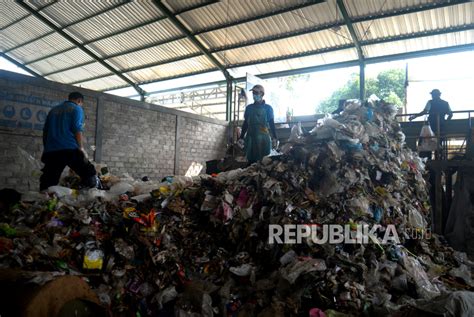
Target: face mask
257	98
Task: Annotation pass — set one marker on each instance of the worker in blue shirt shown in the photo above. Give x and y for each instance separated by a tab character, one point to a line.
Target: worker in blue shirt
63	145
257	127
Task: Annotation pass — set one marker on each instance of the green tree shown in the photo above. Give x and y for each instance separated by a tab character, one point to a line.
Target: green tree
388	85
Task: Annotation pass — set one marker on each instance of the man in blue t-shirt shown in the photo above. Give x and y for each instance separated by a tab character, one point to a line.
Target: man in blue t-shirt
62	141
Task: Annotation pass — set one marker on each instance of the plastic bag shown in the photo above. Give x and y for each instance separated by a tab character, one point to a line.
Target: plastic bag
428	141
121	188
424	287
296	133
30	168
60	191
297	268
415	219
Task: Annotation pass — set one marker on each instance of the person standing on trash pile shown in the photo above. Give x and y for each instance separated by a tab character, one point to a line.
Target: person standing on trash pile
435	108
257	126
63	145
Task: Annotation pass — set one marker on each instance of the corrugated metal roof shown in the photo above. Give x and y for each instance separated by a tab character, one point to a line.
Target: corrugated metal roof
155	54
112	21
10	12
190	65
227	11
82	73
296	63
134	39
424	43
61	10
135	36
286	47
436	19
45	46
103	83
361	8
300	19
25	30
67	59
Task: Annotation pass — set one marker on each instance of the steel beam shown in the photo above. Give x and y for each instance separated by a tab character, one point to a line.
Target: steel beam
312	69
11	60
80	46
350	27
177	23
358	46
290	56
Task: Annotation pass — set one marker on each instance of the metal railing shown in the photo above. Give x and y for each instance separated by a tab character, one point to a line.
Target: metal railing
449	145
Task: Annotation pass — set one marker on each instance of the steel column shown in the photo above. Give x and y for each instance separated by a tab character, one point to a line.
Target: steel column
362	81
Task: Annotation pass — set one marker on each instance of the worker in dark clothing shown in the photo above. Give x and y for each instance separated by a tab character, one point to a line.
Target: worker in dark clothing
435	108
257	126
62	141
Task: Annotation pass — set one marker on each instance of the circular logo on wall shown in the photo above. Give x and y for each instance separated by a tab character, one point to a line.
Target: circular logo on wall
41	116
9	111
25	113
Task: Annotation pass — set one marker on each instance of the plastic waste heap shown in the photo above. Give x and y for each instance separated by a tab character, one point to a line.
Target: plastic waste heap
200	247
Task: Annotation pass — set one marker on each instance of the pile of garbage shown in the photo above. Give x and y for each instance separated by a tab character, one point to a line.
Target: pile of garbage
203	247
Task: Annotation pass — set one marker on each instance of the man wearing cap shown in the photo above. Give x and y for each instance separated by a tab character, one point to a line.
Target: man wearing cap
435	108
257	127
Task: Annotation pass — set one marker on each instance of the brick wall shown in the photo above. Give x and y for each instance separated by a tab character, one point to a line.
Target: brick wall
130	136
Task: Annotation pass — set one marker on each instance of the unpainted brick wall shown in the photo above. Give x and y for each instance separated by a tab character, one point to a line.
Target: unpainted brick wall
139	142
24	92
199	141
137	138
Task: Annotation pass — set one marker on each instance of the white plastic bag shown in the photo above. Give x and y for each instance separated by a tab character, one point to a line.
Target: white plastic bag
428	141
60	191
296	133
121	188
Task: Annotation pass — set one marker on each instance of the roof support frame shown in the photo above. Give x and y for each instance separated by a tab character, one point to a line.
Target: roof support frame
311	69
314	52
69	25
137	26
26	16
358	46
178	24
132	69
79	45
363	43
421	8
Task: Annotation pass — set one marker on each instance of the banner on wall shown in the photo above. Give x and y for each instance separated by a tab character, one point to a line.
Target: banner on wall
23	111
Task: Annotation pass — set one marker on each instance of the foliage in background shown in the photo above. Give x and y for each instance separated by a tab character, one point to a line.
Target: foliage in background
389	85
